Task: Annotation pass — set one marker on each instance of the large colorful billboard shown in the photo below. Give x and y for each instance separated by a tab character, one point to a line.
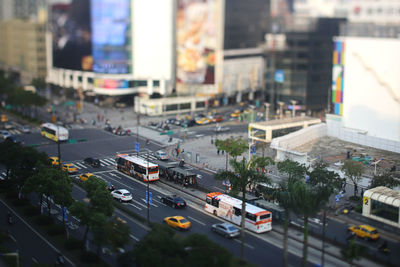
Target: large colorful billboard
338	77
110	41
70	26
196	27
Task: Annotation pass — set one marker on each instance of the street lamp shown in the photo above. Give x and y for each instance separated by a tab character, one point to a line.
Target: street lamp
280	103
376	163
293	102
266	110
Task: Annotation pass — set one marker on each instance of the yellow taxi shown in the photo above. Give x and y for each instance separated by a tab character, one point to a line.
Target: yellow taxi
236	113
178	222
203	121
70	168
85	176
54	161
365	231
4	118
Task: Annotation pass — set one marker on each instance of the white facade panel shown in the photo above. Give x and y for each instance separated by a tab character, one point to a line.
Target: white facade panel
152	41
371	97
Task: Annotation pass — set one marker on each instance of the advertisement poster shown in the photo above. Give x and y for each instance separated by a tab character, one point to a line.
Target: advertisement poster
70	27
196	41
110	42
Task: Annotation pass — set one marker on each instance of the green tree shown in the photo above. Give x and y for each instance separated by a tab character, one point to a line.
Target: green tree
99	230
327	181
41	183
63	190
283	195
117	233
386	179
9	152
234	147
352	252
244	176
353	170
162	246
100	203
307	201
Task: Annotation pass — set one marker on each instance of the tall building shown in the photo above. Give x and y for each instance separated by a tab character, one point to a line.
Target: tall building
22	9
304	65
112	48
23	49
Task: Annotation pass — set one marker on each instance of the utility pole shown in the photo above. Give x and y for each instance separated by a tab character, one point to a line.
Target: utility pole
293	102
58	146
266	110
137	131
280	103
148	190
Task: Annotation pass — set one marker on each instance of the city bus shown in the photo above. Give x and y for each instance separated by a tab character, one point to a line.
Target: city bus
137	167
257	219
54	132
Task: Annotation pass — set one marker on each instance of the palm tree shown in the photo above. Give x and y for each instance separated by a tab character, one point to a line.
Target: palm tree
243	176
307	201
283	195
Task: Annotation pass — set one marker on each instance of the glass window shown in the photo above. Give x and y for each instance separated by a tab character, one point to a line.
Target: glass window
201	104
251	217
264	217
156	83
215	202
184	106
385	211
171	107
237	211
208	200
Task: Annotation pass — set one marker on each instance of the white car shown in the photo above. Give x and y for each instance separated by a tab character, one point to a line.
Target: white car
122	195
25	129
4	134
160	154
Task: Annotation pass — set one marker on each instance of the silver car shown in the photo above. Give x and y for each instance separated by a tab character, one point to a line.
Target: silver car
226	229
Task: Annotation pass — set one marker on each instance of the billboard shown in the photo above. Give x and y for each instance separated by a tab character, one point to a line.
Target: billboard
111	83
338	76
196	26
70	27
110	40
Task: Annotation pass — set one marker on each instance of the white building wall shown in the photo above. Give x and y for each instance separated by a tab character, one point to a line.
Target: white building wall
371	100
152	39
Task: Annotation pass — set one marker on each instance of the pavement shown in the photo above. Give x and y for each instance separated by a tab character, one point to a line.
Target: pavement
200	152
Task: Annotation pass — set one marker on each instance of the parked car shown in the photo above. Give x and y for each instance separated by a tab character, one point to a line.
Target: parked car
25	129
122	195
203	121
188	122
4	134
86	176
70	168
217	118
108	128
160	154
365	231
236	113
92	162
179	222
226	229
173	201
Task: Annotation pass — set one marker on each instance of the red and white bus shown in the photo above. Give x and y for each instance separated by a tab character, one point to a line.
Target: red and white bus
137	167
257	220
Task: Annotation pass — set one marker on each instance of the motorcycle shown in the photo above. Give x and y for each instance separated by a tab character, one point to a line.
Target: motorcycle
384	249
60	260
10	219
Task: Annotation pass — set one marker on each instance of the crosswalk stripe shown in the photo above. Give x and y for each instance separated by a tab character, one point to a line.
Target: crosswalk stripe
109	161
103	163
80	165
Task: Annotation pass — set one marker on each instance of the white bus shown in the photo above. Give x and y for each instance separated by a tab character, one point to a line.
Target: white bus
54	132
137	167
257	220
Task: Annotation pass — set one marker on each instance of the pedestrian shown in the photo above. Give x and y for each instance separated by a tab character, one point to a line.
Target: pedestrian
356	189
98	116
362	192
223	152
218	151
212	140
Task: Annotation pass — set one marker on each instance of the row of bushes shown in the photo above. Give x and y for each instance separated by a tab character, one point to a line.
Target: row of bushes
53	229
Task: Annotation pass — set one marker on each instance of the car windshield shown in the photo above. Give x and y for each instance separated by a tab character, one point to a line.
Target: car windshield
374	232
178	199
232	228
183	221
127	194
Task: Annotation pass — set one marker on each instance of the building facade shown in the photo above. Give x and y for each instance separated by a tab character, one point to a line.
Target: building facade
23	49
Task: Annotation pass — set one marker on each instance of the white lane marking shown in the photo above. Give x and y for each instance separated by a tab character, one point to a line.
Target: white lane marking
134	238
113	174
245	244
159	202
103	163
109	161
4	173
80	165
137	202
134	206
193	219
33	230
34	260
144	200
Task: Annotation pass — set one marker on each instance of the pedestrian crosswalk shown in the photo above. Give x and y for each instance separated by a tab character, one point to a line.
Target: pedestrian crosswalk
80	165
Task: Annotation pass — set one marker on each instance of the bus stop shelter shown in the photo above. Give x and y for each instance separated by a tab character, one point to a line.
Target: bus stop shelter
382	204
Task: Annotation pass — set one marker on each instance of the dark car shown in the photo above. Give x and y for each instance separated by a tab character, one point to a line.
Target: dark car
92	162
188	123
174	201
14	139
